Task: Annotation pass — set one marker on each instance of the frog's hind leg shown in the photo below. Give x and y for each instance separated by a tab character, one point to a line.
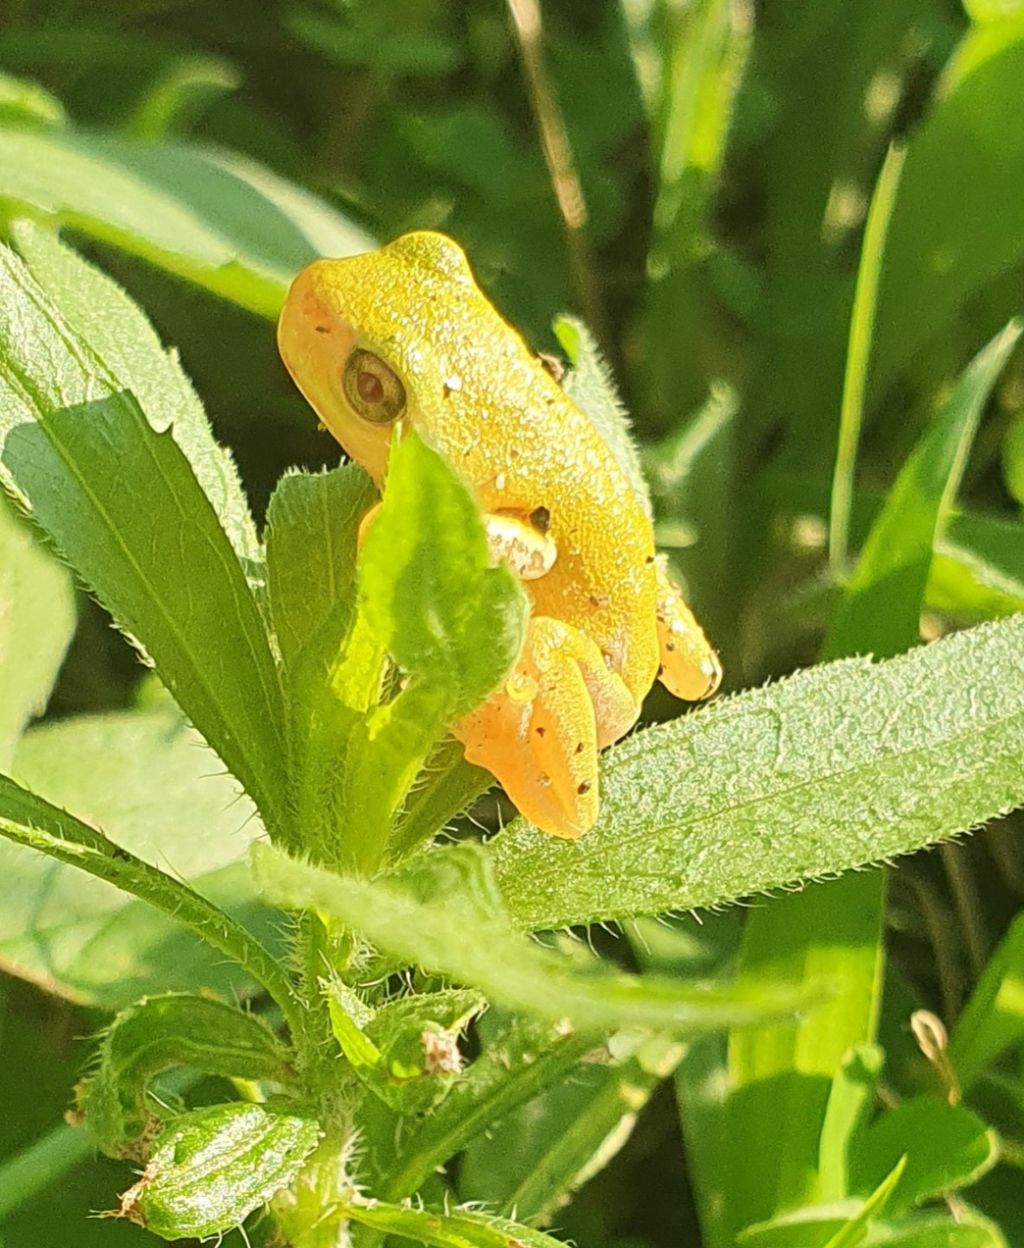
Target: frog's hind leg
539	732
689	667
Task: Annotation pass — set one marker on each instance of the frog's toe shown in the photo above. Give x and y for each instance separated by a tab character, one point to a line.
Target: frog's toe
563	747
689	667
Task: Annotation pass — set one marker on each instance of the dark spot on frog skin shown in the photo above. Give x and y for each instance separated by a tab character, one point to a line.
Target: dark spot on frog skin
579	747
583	788
322	329
540	518
540	731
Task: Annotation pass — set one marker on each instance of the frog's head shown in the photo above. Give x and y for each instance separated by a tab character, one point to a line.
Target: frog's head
363	338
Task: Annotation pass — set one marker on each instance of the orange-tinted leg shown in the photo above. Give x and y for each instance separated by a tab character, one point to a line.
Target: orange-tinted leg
540	733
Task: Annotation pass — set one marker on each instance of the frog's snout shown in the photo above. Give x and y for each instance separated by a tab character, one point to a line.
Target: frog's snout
314	342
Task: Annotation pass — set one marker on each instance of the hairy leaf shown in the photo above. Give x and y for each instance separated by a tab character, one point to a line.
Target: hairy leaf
161	1032
312	522
834	768
100	312
443	914
212	1167
145	779
79	454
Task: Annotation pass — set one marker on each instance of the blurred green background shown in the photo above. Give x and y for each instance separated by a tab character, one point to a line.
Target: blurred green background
716	160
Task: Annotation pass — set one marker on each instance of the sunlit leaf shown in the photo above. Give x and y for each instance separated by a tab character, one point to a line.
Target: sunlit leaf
830	769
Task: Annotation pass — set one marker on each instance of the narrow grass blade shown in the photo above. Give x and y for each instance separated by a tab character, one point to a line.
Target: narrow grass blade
883	599
862	328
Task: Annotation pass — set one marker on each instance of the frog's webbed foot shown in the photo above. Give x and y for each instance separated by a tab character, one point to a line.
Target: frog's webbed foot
539	734
689	667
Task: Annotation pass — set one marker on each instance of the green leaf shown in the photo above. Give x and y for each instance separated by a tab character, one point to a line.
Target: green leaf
426	585
854	1231
839	1224
703	51
590	385
1013	458
937	1232
36	1167
24	102
966	586
453	624
183	91
858	353
517	1064
312	523
79	454
850	1101
689	950
946	1146
407	1052
363	39
100	312
781	1074
882	603
442	913
834	768
447	786
969	155
534	1159
212	1167
147	780
157	1034
811	1226
692	478
993	1019
37	620
991	10
461	1229
221	222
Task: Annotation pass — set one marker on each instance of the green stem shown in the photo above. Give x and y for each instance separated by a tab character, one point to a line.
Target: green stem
496	1085
29	820
460	1229
858	355
558	156
312	1211
447	786
35	1168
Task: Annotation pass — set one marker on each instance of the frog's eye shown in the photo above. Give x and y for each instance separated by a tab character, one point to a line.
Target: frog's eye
373	387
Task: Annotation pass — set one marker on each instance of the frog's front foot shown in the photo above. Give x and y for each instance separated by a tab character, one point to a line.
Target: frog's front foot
540	733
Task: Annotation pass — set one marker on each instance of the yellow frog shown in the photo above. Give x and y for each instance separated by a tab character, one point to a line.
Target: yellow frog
405	334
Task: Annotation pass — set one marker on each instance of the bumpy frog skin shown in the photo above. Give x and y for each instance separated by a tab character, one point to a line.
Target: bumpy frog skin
405	334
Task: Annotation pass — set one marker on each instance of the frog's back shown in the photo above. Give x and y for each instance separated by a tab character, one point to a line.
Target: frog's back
488	404
523	445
